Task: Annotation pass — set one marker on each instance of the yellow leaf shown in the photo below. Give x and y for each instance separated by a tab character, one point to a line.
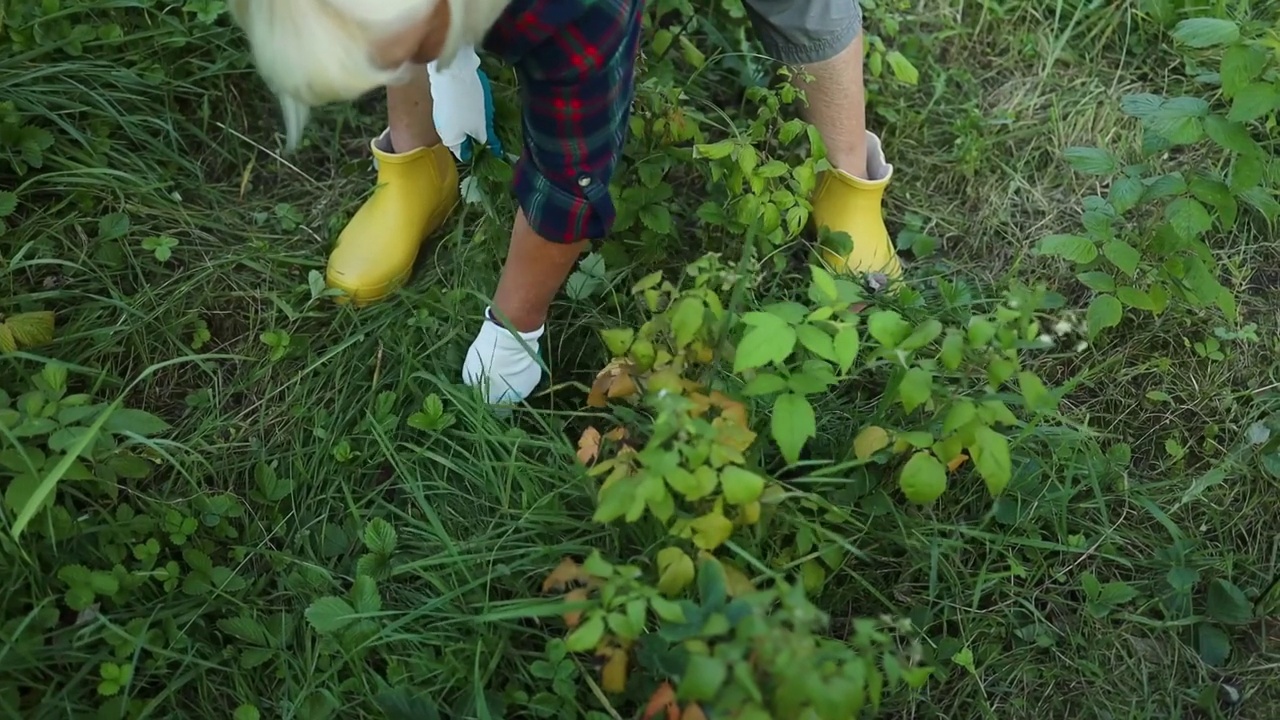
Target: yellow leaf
711	530
751	513
589	445
870	441
613	676
675	570
736	582
573	618
693	711
663	701
7	343
31	328
956	462
566	573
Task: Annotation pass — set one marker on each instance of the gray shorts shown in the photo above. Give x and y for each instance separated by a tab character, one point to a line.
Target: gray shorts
800	32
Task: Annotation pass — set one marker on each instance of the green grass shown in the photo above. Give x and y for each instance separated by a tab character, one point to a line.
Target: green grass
486	507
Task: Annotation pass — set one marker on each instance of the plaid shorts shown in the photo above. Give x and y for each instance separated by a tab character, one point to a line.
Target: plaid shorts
575	61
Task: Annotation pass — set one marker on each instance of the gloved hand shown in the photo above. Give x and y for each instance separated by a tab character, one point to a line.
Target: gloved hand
463	105
503	363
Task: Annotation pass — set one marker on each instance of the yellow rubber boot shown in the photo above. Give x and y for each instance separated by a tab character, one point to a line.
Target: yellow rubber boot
844	203
375	253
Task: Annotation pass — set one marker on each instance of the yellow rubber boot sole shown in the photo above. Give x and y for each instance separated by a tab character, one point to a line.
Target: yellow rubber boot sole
375	253
848	204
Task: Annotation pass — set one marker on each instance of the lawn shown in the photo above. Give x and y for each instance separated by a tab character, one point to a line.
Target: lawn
1040	481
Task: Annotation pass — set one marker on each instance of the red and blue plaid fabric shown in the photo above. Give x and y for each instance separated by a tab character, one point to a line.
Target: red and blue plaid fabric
575	61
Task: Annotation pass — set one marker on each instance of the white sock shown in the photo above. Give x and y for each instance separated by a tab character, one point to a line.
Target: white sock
503	363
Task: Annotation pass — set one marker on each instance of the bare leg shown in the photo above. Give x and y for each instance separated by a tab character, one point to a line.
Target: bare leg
409	109
534	272
837	108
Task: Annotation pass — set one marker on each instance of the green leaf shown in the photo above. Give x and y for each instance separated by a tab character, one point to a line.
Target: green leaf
380	537
1228	604
8	203
1079	250
740	486
330	614
846	346
793	423
764	384
587	635
245	628
952	352
618	340
764	344
246	712
1125	194
702	678
1206	32
1230	135
925	333
687	319
916	388
1135	298
990	453
365	596
1253	101
1036	395
888	328
817	341
113	226
135	421
1097	281
1188	217
824	284
1104	312
901	67
1213	645
923	479
1091	161
1241	65
31	328
1122	255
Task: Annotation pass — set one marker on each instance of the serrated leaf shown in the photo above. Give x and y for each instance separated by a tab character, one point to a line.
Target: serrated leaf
248	629
113	226
138	422
1228	604
380	537
1253	101
31	328
1091	161
792	424
364	595
990	453
1188	217
1206	32
8	203
1077	249
330	614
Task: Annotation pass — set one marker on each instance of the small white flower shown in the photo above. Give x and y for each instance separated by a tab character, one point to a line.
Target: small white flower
1062	327
1080	346
1046	340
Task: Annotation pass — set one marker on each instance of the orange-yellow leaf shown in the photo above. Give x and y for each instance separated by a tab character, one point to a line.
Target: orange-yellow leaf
573	617
623	386
566	573
613	676
957	462
617	434
589	445
663	700
693	712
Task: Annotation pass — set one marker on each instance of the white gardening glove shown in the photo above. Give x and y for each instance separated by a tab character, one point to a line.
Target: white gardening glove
463	104
503	363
